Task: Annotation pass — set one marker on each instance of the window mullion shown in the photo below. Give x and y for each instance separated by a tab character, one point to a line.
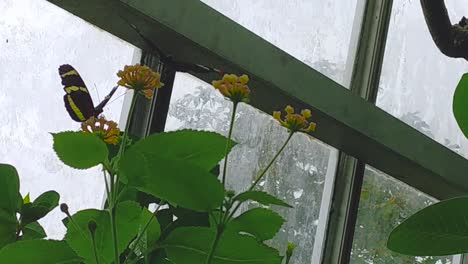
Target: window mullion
366	56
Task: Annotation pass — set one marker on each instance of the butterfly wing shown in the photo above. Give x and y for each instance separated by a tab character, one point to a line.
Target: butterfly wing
77	100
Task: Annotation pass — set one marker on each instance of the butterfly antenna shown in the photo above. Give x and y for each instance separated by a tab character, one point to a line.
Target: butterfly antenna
118	97
163	57
99	108
97	92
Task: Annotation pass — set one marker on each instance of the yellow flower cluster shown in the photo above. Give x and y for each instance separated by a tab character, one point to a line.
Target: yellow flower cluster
296	122
234	87
107	130
140	78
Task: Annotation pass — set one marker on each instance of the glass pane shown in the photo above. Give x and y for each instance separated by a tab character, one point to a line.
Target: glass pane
418	81
317	32
302	175
37	37
385	203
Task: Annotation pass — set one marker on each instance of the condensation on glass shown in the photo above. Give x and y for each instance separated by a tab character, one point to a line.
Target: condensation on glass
385	203
418	81
298	177
317	32
35	38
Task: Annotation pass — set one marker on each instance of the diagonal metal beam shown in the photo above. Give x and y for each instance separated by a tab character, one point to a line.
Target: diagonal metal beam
192	31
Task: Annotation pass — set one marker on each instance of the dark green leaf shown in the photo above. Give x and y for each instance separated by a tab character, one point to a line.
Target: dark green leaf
201	148
173	180
38	252
460	109
260	222
128	218
438	230
80	150
9	197
33	231
260	197
9	188
191	245
43	204
8	225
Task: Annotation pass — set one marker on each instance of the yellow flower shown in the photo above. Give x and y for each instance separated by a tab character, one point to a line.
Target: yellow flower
107	130
233	87
295	122
141	79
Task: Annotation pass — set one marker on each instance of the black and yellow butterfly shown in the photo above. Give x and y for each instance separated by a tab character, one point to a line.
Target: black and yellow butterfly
77	99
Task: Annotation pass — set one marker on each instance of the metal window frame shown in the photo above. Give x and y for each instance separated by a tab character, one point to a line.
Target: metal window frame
195	32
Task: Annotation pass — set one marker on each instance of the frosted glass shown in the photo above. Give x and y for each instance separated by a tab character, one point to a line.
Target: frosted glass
385	203
298	176
418	81
317	32
35	38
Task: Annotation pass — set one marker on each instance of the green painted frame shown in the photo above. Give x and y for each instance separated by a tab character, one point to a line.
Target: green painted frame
195	32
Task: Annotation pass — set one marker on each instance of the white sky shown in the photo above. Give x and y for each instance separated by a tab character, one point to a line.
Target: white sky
35	38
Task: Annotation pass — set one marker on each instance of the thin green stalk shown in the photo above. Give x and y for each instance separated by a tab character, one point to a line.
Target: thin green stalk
124	141
260	176
127	126
114	234
94	248
228	143
108	193
226	155
140	236
219	232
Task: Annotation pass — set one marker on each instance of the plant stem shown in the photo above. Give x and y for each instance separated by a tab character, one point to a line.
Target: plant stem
226	155
114	233
228	143
94	248
127	125
260	176
219	232
108	193
124	142
140	236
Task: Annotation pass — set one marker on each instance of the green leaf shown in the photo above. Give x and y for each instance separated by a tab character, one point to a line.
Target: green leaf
438	230
191	245
8	225
169	167
460	109
39	252
128	218
153	231
201	148
27	199
43	204
9	188
260	197
80	150
9	197
260	222
33	231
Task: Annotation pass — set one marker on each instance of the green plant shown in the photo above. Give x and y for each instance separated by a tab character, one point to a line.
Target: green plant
196	219
442	228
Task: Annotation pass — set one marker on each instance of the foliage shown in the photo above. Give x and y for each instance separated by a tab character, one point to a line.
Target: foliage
195	221
440	229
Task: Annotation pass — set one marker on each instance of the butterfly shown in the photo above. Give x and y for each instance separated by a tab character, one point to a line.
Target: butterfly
77	99
169	60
